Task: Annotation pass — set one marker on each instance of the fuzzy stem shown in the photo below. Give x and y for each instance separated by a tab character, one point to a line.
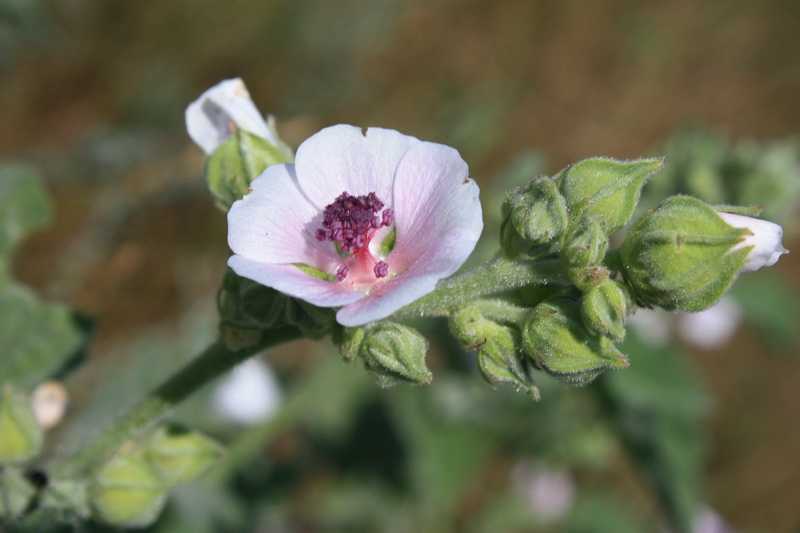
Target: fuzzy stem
211	363
495	277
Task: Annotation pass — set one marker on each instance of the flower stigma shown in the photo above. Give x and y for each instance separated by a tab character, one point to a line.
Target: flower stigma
351	222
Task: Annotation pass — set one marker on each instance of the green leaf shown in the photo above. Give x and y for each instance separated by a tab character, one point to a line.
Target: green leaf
24	205
37	339
656	409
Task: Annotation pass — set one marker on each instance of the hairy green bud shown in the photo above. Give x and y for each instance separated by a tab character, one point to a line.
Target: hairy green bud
682	255
394	353
557	341
126	491
605	189
497	346
20	434
605	307
535	213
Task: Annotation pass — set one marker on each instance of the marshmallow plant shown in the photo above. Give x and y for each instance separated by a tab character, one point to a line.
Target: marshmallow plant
363	232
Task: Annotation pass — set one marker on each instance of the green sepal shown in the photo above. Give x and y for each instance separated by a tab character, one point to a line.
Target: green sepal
349	341
126	491
605	189
178	454
247	308
236	163
20	434
605	307
15	493
556	339
744	210
679	256
395	353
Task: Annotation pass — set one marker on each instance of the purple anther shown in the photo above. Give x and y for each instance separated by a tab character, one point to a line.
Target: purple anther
388	217
321	235
381	269
341	272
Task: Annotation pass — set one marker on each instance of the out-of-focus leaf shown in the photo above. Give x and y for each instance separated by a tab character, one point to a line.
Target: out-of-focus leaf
37	339
771	305
655	408
24	205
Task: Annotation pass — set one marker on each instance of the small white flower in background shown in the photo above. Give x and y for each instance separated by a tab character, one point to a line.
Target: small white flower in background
549	492
707	520
223	109
713	327
652	325
50	401
765	238
369	221
249	395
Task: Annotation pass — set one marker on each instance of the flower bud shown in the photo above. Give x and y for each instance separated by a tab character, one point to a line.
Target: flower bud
20	434
66	495
315	322
177	454
536	212
394	353
497	346
236	163
583	247
605	189
246	308
15	493
763	240
605	308
683	255
556	339
127	492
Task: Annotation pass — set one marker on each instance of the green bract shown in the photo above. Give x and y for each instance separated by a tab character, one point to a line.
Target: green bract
679	256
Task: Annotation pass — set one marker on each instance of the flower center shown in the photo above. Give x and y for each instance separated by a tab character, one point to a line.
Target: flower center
351	222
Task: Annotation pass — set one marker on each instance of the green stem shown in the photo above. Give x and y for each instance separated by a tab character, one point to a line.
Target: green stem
211	363
495	277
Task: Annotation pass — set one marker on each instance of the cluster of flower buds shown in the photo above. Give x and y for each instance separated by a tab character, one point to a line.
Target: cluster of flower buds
683	255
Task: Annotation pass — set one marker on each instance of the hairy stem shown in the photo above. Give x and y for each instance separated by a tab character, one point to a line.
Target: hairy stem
495	277
211	363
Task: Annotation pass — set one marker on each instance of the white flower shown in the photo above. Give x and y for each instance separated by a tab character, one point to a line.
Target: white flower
337	210
764	238
223	109
712	327
249	394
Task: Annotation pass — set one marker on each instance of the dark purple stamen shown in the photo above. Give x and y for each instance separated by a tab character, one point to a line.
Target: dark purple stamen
381	269
351	222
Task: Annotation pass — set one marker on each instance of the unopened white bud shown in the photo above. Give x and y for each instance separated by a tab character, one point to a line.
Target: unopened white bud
765	239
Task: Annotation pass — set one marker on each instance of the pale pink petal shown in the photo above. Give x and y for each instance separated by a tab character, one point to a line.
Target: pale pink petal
421	278
290	280
343	158
275	223
433	196
220	111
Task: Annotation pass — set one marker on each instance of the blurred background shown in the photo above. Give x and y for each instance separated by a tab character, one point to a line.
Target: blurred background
92	96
